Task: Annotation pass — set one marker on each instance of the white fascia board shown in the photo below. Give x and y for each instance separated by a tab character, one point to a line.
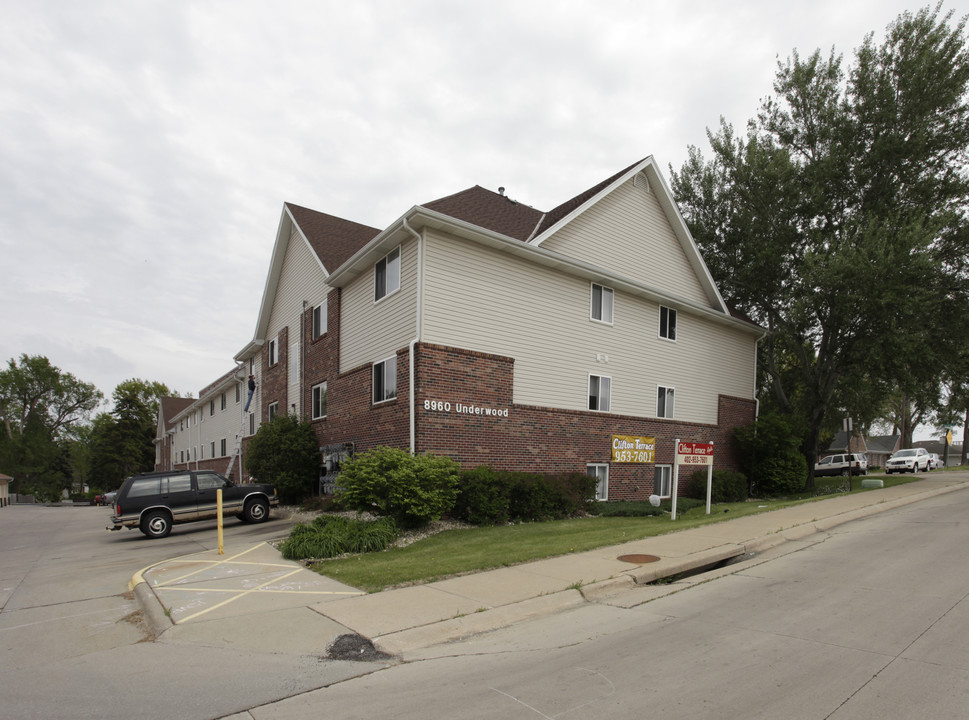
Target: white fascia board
283	232
672	212
419	218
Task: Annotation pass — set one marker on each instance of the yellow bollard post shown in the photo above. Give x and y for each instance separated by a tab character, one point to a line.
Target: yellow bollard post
218	511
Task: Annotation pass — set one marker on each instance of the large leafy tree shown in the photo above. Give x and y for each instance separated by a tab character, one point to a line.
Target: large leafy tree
121	442
39	407
285	453
838	221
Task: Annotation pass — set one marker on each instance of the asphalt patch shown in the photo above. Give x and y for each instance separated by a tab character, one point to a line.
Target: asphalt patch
354	647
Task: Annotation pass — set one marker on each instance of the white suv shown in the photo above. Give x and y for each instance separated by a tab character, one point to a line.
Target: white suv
910	460
854	464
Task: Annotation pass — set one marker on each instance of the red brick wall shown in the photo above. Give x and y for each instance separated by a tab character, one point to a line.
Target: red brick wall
529	438
547	440
275	378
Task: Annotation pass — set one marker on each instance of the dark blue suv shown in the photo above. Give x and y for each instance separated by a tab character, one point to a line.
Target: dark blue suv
153	502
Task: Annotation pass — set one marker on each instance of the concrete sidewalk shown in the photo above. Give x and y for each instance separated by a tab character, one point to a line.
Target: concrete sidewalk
251	598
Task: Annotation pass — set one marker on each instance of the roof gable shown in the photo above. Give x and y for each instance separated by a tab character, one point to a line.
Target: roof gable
333	239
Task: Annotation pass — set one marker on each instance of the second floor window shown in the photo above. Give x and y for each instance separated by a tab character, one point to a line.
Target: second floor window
664	402
386	275
667	323
319	320
273	411
599	391
273	351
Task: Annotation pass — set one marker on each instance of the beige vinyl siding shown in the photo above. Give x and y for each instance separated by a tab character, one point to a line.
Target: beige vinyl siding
482	299
627	233
300	279
373	331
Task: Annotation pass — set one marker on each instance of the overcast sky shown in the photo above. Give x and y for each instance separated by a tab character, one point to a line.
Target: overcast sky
147	147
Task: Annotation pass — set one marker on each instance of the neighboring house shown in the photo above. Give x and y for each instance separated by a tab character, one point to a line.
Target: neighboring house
882	447
480	328
938	447
5	481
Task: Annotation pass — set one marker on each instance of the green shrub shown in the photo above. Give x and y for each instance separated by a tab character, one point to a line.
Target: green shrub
727	486
330	536
484	497
413	490
549	497
491	497
781	475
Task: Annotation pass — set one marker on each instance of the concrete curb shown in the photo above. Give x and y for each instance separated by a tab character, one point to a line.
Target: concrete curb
155	616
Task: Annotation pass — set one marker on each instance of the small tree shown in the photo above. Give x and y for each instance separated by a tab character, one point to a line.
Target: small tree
285	453
412	489
771	456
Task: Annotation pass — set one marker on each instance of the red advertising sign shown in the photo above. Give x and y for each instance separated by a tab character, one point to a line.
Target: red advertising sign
691	453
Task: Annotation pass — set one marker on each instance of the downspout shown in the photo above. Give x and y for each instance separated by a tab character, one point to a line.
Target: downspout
417	336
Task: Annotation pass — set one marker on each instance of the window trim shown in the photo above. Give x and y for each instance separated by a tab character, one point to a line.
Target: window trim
671	314
669	402
384	376
383	290
318	320
600	481
314	403
603	294
599	393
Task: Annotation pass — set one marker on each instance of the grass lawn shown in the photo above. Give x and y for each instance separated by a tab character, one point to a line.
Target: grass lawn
456	552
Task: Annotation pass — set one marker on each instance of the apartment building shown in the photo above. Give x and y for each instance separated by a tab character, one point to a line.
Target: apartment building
479	327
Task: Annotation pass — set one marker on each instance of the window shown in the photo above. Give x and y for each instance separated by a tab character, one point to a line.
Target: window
222	447
274	351
599	387
213	449
180	483
667	323
386	275
252	423
319	401
273	411
385	380
209	481
319	320
663	482
600	472
223	402
211	407
238	392
664	402
602	304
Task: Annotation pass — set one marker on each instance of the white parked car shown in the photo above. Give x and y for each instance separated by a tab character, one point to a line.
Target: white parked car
935	462
909	460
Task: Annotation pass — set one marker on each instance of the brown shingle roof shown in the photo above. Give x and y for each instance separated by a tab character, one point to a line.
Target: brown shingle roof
172	406
489	210
333	239
568	206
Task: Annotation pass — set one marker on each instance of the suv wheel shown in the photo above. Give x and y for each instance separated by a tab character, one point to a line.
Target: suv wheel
256	511
156	524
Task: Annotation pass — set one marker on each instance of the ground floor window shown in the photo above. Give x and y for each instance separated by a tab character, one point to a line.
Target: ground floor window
385	380
600	472
319	401
663	484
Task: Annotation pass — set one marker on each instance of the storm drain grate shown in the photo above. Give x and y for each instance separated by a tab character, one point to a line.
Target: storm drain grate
638	559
